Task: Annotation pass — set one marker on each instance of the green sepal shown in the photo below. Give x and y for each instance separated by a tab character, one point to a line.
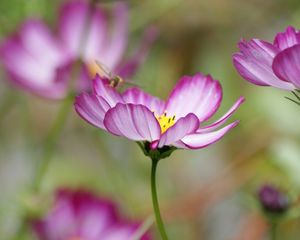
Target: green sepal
158	153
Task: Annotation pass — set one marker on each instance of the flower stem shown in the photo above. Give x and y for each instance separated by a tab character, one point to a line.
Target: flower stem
51	141
273	230
158	218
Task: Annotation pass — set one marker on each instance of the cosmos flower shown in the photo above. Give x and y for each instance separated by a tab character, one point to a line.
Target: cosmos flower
271	64
40	61
80	215
179	122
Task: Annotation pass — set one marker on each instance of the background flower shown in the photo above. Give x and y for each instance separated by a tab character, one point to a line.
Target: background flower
272	199
267	64
42	62
82	215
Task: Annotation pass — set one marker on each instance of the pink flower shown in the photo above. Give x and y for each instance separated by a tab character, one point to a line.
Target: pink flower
266	64
178	122
40	61
80	215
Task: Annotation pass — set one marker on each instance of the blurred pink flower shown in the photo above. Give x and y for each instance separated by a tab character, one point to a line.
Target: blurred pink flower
266	64
39	61
80	215
177	122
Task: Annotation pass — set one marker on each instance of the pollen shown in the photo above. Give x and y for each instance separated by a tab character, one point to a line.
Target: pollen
165	122
94	69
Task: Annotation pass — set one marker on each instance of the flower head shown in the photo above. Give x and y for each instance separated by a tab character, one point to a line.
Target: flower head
271	64
81	215
41	62
272	199
177	122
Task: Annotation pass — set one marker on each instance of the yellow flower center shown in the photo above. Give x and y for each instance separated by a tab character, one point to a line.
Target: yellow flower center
165	122
94	68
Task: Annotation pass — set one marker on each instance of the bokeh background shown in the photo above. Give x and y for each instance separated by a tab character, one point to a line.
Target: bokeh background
204	194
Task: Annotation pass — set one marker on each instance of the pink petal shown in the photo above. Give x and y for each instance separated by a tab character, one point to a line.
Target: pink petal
196	94
60	223
118	42
131	66
83	78
91	108
82	29
287	39
286	65
179	144
92	215
135	122
184	126
104	90
120	233
224	118
137	96
40	43
35	61
80	214
254	63
201	140
94	220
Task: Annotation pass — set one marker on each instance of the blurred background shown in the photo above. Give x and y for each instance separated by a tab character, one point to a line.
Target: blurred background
204	194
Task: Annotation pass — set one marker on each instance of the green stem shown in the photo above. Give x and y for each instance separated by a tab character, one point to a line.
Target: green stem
273	231
51	141
158	218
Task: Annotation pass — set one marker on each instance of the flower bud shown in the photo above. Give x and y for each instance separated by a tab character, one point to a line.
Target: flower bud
272	199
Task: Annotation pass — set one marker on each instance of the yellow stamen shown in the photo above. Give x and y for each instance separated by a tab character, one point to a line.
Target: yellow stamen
165	122
93	69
